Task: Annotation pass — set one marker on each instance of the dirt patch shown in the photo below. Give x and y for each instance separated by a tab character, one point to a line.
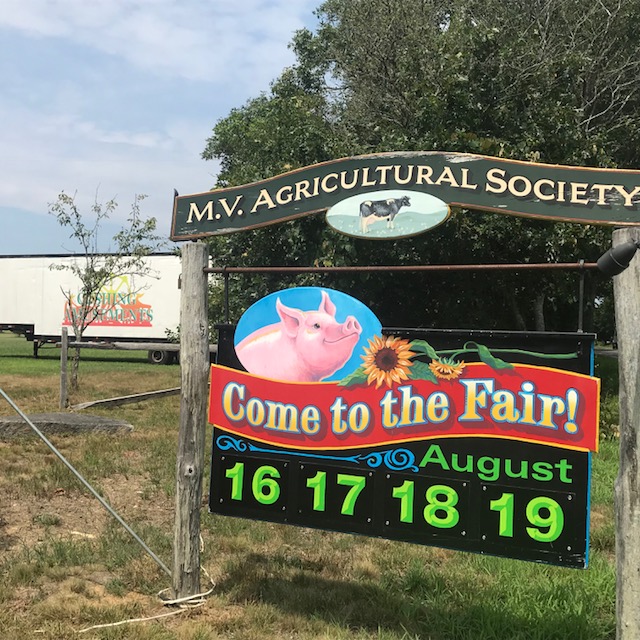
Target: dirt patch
30	522
27	521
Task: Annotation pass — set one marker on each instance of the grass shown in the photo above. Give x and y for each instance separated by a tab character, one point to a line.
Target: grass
65	565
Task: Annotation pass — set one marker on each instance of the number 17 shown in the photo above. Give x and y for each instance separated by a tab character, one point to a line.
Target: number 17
357	484
319	485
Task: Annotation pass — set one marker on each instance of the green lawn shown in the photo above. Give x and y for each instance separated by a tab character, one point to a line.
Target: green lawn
16	356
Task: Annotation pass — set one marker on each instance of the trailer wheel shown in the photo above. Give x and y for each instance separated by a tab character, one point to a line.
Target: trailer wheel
157	356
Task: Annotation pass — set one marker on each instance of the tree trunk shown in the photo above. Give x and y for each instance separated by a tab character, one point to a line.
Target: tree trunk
517	315
78	330
64	379
627	488
75	367
538	311
589	297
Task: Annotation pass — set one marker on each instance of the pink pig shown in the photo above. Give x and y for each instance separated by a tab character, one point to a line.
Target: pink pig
305	346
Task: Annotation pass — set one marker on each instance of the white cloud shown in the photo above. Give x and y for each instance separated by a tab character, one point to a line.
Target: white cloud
44	156
121	95
205	41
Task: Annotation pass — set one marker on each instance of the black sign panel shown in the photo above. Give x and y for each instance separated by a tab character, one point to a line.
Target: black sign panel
487	495
493	495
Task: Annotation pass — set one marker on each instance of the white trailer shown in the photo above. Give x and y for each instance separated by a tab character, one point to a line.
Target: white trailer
132	308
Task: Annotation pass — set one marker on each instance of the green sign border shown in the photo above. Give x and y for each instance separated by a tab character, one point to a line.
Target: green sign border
548	192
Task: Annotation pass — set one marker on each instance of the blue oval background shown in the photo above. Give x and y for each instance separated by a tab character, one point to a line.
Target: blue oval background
263	313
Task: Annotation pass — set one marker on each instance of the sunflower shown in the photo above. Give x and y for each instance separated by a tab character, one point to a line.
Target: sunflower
387	360
446	369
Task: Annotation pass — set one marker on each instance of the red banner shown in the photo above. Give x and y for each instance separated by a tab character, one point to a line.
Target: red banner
530	403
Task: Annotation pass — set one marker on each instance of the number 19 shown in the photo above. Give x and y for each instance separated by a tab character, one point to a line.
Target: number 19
504	505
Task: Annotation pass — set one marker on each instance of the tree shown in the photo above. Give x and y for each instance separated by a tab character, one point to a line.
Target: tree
550	81
95	270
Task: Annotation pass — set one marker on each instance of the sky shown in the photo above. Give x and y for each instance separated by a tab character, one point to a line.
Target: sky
110	99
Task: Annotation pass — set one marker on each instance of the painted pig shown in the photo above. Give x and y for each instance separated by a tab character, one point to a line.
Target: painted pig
305	346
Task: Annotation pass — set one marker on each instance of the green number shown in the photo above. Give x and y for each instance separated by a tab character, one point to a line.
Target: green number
405	494
504	505
434	504
319	485
357	484
236	474
265	489
554	521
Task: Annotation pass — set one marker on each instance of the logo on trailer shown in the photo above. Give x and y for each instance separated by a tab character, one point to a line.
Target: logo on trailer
116	305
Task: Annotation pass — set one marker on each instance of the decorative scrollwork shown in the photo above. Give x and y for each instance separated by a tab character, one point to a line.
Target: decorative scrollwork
226	443
394	459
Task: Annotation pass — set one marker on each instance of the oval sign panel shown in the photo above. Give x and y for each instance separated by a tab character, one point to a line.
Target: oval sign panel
387	214
305	334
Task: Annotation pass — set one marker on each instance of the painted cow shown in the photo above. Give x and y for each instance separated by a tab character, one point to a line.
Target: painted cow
304	346
374	210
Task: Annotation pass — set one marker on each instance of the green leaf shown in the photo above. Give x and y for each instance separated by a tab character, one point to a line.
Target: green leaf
492	361
422	346
420	371
357	377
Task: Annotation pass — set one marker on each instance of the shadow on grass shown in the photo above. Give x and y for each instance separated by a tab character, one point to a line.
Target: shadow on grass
423	604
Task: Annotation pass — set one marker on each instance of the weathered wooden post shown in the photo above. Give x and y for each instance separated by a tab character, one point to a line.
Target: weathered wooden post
194	363
627	492
64	357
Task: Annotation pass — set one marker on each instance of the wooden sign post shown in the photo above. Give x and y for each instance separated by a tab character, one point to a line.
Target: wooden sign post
194	361
627	494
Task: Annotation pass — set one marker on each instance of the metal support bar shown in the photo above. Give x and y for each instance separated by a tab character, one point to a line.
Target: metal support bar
425	267
96	495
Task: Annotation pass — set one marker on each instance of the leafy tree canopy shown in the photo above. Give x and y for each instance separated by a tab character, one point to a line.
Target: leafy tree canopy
554	81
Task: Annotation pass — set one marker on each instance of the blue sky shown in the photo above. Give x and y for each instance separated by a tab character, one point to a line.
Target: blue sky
113	98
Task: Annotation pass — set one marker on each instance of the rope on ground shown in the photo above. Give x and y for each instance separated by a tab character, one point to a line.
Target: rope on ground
132	620
187	603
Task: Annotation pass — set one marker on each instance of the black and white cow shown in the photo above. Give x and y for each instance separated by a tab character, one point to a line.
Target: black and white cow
373	210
